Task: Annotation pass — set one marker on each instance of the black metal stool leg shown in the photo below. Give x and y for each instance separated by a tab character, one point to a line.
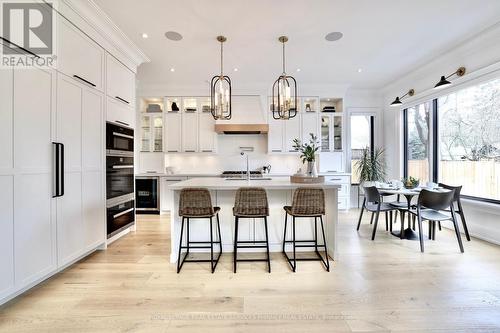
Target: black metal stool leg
324	242
220	236
284	233
293	240
316	234
267	246
212	267
236	220
179	263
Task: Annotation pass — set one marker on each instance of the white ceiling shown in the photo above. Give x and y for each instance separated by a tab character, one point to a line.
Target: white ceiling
386	38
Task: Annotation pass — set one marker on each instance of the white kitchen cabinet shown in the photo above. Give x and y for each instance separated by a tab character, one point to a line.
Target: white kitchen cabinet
6	184
207	137
81	209
292	131
166	197
79	57
173	130
117	112
34	219
120	81
332	125
310	124
344	180
151	132
190	132
275	135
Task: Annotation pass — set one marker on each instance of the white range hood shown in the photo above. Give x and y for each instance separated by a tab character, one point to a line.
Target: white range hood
248	116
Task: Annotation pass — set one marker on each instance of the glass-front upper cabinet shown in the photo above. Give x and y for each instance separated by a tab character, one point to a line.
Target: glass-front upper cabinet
325	132
145	133
332	120
152	133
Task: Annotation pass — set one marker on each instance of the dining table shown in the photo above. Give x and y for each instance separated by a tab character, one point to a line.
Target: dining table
409	194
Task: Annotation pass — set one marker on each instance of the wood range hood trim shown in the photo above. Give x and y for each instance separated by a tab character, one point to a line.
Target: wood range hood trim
241	128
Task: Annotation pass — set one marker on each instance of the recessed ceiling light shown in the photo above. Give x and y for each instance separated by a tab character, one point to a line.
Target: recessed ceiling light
334	36
235	69
145	35
298	69
172	69
360	70
173	35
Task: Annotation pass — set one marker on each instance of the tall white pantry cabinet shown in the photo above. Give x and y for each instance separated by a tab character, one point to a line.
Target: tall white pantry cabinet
42	233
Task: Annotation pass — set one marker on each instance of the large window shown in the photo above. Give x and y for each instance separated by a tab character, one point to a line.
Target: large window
455	139
469	140
362	136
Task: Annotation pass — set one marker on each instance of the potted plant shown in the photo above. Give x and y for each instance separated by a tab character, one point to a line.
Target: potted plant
308	153
370	167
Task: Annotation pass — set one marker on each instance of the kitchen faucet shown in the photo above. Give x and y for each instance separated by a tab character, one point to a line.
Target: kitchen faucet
248	168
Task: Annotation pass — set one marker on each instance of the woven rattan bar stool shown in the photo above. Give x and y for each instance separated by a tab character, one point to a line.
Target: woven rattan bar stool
197	203
307	202
250	202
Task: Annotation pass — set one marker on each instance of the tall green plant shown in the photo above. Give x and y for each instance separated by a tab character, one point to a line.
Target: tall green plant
371	166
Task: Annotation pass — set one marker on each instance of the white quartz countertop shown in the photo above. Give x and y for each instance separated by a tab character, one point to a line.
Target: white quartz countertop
224	184
158	174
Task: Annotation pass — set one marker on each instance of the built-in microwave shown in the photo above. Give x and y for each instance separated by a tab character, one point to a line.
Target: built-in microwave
119	139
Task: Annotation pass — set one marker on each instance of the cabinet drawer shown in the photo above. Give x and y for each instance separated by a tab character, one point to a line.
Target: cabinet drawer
344	190
119	113
120	81
338	179
343	203
79	56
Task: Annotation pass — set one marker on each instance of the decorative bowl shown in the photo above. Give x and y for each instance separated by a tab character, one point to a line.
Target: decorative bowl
410	182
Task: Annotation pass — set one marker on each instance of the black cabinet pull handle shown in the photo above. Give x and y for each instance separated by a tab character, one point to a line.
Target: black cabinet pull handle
83	80
59	169
122	100
20	47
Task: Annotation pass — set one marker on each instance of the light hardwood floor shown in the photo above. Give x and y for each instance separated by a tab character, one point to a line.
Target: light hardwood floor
382	286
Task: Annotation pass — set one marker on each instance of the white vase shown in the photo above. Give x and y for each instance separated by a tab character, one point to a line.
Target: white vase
312	171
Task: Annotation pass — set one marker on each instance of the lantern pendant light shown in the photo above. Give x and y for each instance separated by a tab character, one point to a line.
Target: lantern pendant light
284	99
220	90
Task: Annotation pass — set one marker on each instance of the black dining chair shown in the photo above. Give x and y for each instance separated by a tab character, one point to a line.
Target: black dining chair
457	204
373	203
435	207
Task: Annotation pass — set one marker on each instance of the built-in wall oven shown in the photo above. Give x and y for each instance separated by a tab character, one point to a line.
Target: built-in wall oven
120	201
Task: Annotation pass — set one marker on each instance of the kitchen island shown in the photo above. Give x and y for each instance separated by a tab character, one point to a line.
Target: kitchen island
279	194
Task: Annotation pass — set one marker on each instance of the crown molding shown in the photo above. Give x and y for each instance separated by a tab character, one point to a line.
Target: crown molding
94	16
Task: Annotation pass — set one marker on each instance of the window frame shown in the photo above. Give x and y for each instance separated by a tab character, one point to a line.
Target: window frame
434	145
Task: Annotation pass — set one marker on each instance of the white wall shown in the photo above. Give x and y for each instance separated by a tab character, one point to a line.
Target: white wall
481	56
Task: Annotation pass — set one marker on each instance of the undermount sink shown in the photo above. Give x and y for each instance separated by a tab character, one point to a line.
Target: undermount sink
236	178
